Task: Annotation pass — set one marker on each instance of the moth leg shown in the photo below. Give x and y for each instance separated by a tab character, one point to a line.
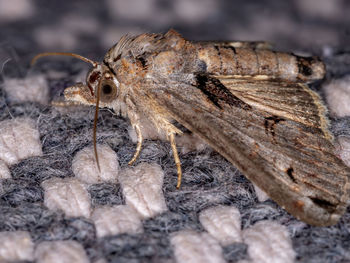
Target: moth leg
139	144
177	159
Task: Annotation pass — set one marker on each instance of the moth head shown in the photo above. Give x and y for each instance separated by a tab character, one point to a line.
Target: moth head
101	88
101	85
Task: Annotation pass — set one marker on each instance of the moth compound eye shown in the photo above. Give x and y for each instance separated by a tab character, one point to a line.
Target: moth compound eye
108	91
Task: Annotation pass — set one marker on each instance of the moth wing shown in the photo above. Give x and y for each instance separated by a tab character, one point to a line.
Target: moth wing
292	161
294	101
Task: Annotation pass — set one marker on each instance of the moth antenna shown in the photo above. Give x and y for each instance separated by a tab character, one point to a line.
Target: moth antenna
93	63
34	60
95	124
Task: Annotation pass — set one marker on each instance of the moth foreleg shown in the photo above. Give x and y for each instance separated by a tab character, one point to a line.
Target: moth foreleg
177	159
139	144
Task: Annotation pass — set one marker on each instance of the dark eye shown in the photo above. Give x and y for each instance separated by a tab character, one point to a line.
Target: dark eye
108	91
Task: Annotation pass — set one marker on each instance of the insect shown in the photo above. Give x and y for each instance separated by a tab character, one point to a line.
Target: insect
248	102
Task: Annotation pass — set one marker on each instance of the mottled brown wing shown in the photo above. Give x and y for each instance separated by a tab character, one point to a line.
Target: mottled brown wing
261	128
294	101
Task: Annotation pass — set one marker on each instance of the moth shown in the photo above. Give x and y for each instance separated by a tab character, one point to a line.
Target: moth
249	103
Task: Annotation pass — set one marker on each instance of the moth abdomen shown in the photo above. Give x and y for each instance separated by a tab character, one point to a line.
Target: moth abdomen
259	63
310	68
